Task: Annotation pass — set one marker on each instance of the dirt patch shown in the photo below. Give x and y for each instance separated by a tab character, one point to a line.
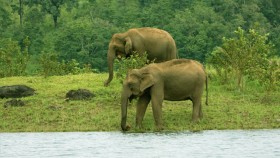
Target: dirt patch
14	102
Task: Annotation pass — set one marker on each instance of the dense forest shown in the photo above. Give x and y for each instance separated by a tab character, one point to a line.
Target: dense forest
80	30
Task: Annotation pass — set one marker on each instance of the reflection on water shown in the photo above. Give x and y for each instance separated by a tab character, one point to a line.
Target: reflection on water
229	143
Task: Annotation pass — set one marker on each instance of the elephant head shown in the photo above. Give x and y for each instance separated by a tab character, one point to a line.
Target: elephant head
119	46
134	85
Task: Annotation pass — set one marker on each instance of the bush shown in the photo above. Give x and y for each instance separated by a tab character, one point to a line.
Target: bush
13	60
135	61
246	54
50	66
268	75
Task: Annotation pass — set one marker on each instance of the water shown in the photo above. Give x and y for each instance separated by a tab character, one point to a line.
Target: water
229	143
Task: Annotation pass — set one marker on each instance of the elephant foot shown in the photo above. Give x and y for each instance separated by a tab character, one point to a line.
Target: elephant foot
127	128
159	128
195	120
106	84
140	129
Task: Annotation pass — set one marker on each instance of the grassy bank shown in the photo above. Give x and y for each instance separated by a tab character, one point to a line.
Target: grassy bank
48	110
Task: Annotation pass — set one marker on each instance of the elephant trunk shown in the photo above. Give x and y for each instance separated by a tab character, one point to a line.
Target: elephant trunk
124	114
124	103
206	81
110	60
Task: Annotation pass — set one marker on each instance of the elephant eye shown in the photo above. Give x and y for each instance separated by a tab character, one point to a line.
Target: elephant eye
130	85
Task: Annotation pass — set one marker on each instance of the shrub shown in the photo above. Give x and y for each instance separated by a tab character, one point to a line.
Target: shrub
135	61
50	66
245	54
268	75
13	60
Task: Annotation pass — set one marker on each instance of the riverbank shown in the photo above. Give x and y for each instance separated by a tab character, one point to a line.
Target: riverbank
50	111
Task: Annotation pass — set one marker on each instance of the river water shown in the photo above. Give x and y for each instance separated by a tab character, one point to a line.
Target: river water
216	144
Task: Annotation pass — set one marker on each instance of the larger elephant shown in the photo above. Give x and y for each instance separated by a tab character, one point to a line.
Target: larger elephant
158	44
174	80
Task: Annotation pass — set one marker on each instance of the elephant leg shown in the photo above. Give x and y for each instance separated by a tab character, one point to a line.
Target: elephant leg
196	109
157	100
141	108
200	112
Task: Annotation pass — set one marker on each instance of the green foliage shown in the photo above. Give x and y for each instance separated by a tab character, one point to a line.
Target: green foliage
135	61
13	60
54	7
5	18
83	40
83	28
197	31
268	74
246	54
50	66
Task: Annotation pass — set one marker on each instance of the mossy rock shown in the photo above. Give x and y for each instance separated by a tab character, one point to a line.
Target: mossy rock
80	94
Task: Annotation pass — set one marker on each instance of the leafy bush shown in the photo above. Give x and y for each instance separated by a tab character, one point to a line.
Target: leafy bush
268	75
13	60
135	61
246	54
50	66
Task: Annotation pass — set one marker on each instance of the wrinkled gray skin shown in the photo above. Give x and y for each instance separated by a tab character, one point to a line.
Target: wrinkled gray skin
175	80
158	44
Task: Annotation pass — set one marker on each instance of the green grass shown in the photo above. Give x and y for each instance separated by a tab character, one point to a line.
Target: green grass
48	110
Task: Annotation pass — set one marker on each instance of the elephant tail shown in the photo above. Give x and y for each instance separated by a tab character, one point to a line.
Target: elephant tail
206	82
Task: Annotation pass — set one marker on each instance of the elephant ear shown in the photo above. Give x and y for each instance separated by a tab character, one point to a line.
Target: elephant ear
147	81
128	45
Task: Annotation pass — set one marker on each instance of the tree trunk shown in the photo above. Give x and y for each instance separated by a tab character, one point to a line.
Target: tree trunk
55	20
240	80
21	12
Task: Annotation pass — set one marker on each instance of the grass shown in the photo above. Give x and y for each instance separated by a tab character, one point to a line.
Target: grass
49	111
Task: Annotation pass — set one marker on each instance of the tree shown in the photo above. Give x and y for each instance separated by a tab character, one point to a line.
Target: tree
271	10
122	13
197	30
19	9
85	40
53	7
13	61
5	19
154	18
243	54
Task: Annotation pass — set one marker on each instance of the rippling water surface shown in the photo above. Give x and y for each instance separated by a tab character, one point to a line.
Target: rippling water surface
228	143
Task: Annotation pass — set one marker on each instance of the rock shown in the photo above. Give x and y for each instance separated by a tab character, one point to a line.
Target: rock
14	102
80	94
16	91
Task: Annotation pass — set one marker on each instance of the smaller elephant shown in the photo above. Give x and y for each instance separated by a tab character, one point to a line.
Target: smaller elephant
174	80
